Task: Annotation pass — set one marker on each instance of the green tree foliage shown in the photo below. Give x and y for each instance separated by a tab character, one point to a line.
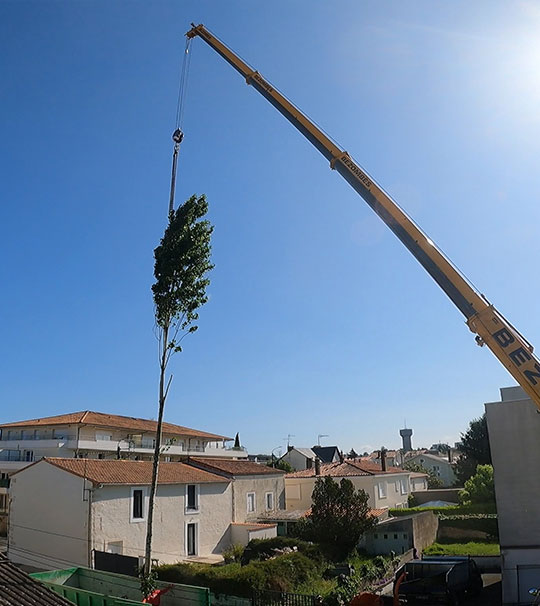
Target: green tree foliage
480	488
433	480
281	464
182	262
352	454
339	516
475	449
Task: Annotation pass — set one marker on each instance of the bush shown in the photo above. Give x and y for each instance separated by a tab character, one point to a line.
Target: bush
482	508
262	549
473	548
480	488
284	573
233	554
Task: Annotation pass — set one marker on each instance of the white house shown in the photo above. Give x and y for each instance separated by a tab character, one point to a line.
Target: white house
514	430
299	458
63	509
440	466
96	435
385	489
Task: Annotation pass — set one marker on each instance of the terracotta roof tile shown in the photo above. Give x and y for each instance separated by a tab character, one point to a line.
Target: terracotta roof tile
234	467
19	589
100	419
348	468
108	471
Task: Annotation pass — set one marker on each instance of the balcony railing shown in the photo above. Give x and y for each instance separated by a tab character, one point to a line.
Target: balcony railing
24	438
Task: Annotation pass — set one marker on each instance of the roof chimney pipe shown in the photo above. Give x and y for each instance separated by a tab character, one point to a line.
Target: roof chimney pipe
383	458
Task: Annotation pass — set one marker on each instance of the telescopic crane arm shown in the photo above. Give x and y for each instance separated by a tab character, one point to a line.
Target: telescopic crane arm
491	328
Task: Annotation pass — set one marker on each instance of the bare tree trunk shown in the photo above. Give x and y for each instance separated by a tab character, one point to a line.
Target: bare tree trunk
155	467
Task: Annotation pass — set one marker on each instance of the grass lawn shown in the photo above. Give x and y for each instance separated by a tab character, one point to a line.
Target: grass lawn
463	549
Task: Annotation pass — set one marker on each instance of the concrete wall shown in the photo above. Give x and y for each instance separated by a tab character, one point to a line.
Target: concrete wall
260	485
514	430
48	526
112	522
402	534
298	491
242	534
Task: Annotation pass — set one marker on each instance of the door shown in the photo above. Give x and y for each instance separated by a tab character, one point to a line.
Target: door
191	539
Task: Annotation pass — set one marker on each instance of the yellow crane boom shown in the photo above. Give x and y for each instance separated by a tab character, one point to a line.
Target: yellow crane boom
490	326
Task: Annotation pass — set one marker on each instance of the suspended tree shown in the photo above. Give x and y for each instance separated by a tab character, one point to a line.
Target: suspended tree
182	262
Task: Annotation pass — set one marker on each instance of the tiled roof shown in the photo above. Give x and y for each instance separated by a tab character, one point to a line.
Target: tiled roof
100	419
234	468
109	471
346	469
18	589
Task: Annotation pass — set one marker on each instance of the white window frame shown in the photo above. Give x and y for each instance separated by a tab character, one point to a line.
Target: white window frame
196	524
144	504
254	510
272	507
187	509
382	489
103	436
404	487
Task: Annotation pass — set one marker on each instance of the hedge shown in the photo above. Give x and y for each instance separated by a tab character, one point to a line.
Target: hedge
486	508
284	573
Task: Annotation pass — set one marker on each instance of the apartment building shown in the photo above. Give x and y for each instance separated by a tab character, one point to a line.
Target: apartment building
96	435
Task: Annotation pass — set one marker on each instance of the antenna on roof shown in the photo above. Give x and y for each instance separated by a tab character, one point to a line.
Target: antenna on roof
321	435
288	438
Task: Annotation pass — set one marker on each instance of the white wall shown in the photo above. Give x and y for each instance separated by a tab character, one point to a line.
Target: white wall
260	485
48	526
297	460
514	430
112	521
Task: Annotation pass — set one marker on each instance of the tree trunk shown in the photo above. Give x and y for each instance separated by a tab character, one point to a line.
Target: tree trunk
155	467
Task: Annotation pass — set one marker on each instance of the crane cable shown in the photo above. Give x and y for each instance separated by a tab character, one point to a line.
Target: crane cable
178	134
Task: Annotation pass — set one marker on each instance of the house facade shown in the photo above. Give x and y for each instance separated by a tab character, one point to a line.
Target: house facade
97	435
299	458
514	430
441	467
255	489
385	489
64	509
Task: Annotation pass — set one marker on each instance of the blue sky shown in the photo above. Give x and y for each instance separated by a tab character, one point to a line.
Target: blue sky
319	320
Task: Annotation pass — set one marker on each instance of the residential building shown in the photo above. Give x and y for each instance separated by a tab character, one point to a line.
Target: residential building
64	509
419	481
514	430
256	488
327	454
299	458
97	435
441	467
19	589
385	488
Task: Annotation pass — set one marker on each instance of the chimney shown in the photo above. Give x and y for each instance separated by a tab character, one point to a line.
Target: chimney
450	455
289	448
317	466
341	457
383	458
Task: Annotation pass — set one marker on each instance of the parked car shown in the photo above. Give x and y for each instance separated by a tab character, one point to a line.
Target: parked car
438	580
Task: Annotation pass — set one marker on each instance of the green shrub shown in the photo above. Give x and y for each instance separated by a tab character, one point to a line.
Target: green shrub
233	554
283	573
262	549
483	508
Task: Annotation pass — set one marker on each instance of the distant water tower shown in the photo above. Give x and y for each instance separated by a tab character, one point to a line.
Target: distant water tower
406	437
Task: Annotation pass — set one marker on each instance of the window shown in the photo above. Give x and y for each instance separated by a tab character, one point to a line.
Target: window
138	506
395	536
192	498
191	539
269	501
381	486
102	436
404	487
115	547
385	536
29	455
3	502
251	502
100	455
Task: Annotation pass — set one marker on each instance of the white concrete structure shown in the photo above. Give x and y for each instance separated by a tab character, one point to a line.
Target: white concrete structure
299	458
514	437
96	435
385	489
440	466
63	509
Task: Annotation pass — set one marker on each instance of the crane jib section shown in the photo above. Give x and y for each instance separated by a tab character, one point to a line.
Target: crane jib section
493	330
